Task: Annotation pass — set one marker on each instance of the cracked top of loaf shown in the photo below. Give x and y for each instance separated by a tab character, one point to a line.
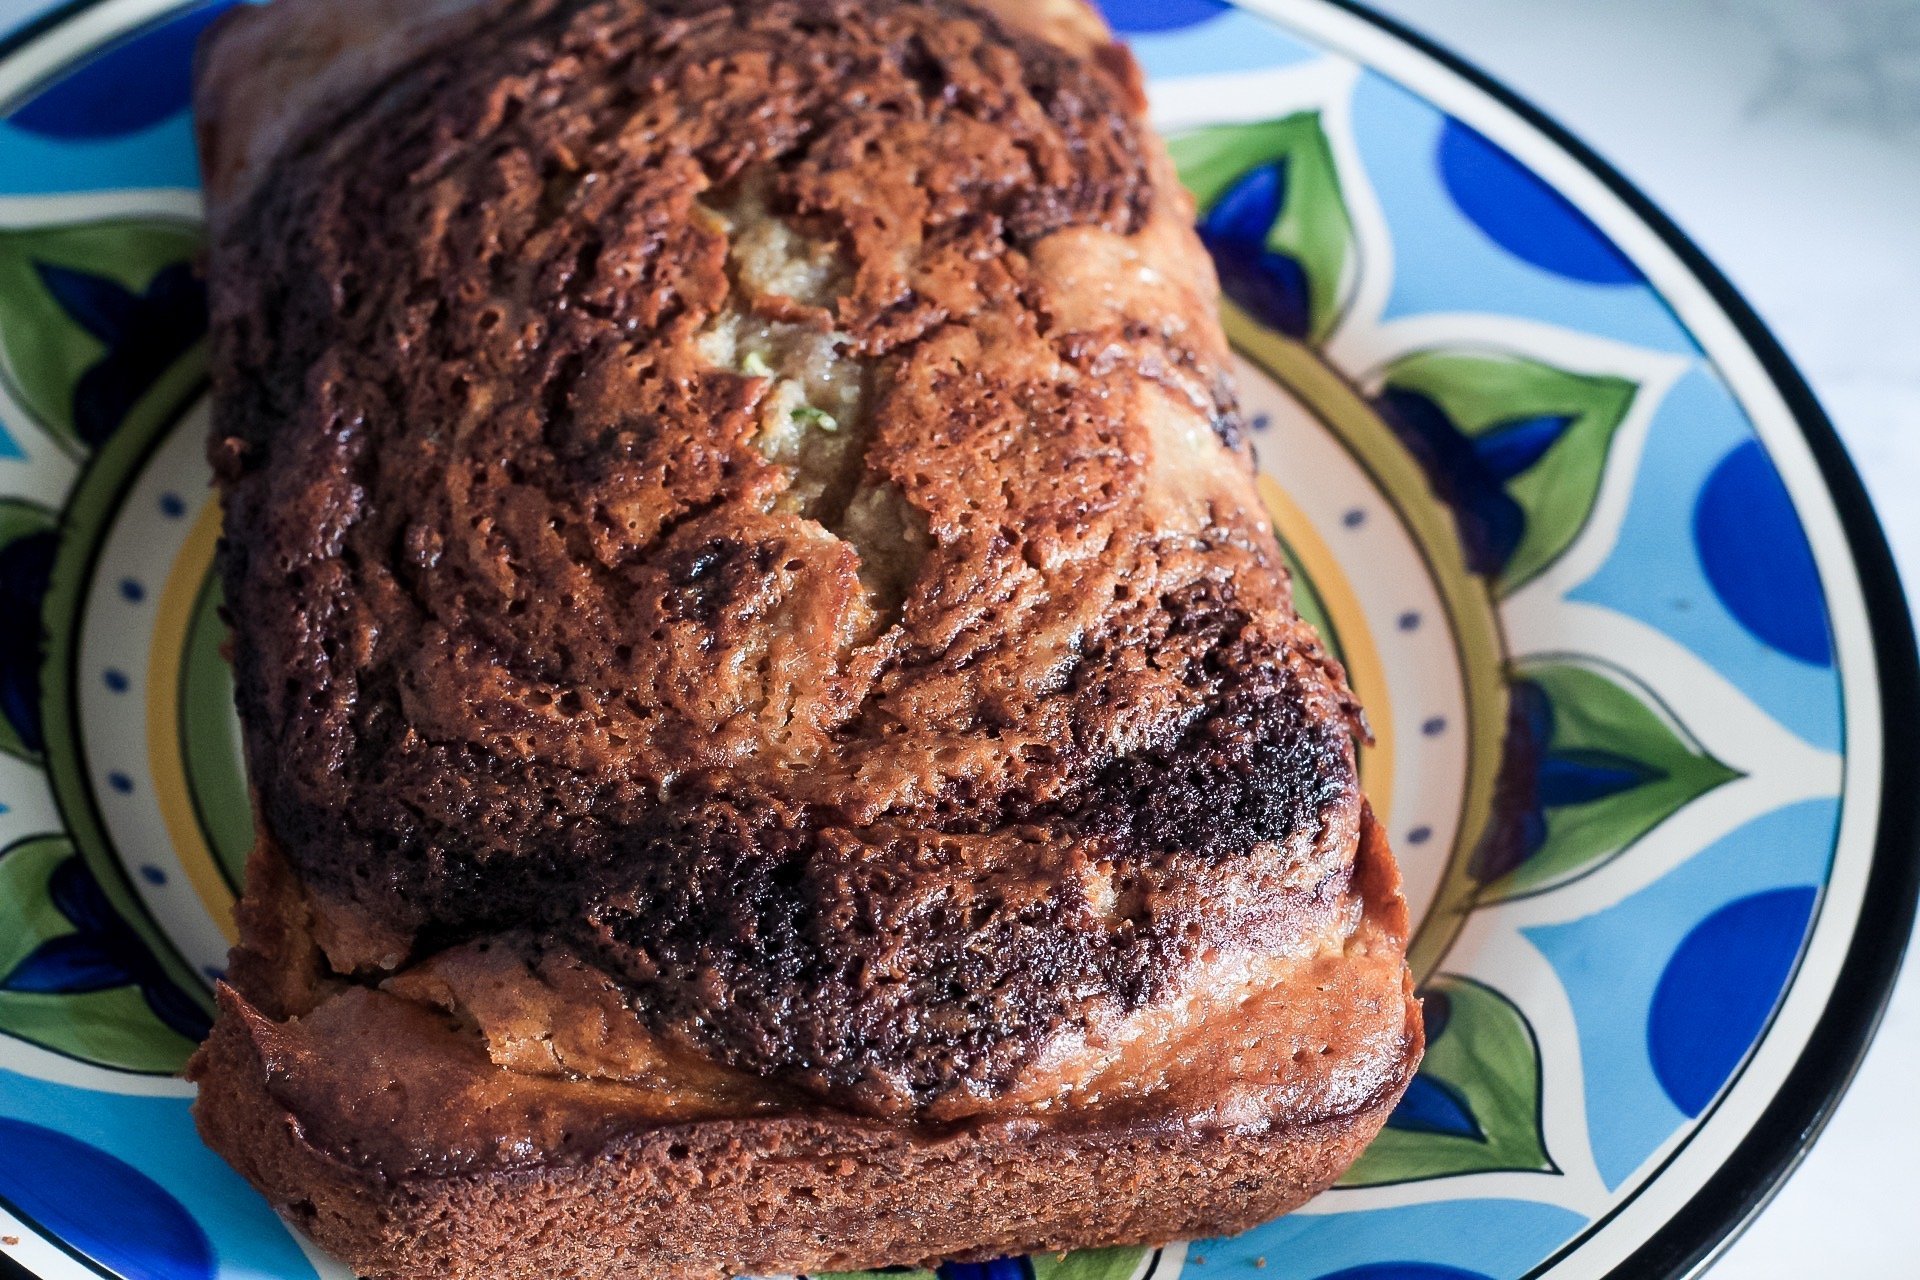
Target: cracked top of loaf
747	499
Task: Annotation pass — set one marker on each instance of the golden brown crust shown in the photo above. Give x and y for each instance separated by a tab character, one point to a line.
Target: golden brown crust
553	607
799	1193
756	638
593	1175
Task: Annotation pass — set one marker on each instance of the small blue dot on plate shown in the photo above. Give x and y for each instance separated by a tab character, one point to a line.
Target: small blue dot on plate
1261	421
152	874
116	679
131	589
172	505
1409	621
1419	835
1354	518
120	782
1434	726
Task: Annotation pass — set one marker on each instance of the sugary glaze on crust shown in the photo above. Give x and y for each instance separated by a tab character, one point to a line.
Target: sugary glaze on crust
738	532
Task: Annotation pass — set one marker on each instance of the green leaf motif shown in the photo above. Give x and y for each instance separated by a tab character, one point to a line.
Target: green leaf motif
1311	226
1602	723
1484	1060
19	518
72	296
98	1013
1090	1264
1493	400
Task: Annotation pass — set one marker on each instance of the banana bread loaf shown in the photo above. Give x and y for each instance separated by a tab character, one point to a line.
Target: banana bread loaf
779	735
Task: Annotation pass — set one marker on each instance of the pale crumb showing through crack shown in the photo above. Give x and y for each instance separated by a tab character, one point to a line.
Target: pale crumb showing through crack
814	418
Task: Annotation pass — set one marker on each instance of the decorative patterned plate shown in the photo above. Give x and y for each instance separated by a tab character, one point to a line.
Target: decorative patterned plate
1634	651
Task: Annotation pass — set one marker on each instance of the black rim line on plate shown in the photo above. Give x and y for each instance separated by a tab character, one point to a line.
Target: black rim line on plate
27	32
1727	1202
33	29
11	1270
1805	1100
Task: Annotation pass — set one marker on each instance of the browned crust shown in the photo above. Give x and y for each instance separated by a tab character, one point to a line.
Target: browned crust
757	1196
807	1190
534	627
659	864
803	1192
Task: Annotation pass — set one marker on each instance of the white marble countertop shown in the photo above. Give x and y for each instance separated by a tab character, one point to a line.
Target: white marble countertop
1784	137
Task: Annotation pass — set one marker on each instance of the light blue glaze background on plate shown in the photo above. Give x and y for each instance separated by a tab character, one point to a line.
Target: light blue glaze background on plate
1698	428
15	14
1454	266
159	156
1615	964
155	1136
1453	1240
1613	961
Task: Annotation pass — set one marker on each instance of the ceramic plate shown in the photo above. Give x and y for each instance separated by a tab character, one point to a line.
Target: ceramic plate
1636	661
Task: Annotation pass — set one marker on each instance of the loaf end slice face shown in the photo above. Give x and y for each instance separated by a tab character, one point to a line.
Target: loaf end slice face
780	737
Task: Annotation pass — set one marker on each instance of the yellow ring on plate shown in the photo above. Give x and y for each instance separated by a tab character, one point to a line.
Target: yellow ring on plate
166	758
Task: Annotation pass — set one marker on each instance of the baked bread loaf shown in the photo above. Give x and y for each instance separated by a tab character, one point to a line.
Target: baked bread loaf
779	735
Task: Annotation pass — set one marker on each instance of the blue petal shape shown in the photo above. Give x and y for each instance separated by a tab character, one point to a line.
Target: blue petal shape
998	1269
1519	826
175	1008
1491	522
76	896
1138	16
1246	211
1523	215
159	326
1271	286
71	964
1403	1271
26	566
99	304
1756	556
1509	448
1432	1106
1581	777
100	1206
1718	989
129	87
